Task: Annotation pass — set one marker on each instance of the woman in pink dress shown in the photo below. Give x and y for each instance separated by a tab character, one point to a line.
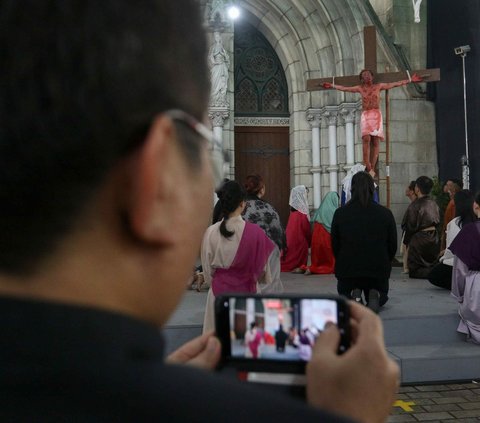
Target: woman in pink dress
298	232
234	253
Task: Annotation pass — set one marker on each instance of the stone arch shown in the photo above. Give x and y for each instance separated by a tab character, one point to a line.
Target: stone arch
312	38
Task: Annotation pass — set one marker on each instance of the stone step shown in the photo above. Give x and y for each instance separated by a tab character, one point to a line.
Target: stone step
437	362
422	329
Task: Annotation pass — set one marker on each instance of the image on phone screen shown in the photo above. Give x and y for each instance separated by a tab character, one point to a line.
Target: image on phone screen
277	328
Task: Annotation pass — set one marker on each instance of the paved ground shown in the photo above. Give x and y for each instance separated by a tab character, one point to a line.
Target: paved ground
437	403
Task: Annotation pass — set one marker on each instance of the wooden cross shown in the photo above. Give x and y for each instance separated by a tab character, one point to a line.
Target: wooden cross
370	63
370	58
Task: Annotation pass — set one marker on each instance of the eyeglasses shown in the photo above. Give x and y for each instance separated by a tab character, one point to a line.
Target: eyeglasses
219	156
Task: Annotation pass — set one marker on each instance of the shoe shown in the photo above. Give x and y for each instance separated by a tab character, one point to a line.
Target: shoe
374	300
298	270
307	272
357	295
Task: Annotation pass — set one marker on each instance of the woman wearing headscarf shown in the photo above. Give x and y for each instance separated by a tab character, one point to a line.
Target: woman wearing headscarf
263	214
234	253
298	232
322	258
466	276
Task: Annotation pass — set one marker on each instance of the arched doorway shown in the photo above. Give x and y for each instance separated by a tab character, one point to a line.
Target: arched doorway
261	116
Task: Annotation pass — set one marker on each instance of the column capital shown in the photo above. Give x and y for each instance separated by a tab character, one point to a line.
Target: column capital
331	116
314	117
348	112
218	115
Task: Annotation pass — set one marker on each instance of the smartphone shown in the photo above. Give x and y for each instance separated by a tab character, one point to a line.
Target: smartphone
276	333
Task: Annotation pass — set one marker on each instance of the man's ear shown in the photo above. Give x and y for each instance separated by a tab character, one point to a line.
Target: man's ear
153	183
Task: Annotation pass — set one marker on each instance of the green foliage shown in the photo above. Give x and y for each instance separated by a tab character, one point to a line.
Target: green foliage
440	197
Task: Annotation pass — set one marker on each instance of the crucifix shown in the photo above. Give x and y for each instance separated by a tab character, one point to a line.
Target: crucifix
369	84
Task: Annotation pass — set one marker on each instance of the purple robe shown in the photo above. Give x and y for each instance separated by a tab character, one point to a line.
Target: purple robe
247	266
466	279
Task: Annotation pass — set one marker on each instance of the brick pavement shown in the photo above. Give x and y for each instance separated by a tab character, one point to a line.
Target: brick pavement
437	403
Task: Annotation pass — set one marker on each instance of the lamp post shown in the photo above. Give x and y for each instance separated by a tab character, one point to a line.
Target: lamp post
462	52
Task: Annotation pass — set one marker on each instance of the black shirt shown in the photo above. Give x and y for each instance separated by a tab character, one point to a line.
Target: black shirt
76	364
364	240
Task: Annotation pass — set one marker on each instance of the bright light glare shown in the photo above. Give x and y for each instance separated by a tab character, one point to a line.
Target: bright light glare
233	12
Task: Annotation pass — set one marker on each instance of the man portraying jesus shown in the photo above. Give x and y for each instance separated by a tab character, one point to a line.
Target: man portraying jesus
371	123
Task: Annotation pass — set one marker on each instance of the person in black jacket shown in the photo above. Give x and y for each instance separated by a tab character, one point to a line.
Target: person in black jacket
364	242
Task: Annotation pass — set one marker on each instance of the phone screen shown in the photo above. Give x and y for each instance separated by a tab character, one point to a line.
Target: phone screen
275	328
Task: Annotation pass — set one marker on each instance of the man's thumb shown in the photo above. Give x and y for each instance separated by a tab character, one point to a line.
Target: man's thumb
328	341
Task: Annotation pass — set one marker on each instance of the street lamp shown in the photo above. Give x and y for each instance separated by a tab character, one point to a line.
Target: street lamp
462	52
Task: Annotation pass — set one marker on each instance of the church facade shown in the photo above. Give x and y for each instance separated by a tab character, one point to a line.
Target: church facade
272	125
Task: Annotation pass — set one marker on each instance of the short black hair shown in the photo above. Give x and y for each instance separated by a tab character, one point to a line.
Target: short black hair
81	82
424	184
363	188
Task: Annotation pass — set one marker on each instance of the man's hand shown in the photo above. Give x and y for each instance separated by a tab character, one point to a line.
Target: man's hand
416	78
202	352
327	85
362	382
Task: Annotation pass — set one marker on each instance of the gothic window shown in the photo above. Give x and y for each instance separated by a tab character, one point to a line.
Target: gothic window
260	84
246	96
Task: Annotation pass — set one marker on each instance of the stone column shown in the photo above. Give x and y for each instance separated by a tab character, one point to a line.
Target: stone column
218	115
348	112
314	118
331	116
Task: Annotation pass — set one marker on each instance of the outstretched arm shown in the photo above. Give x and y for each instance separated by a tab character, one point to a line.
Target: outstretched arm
354	89
387	86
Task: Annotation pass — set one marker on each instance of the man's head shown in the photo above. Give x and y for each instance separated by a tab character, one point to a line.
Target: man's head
423	186
83	130
452	186
410	190
366	76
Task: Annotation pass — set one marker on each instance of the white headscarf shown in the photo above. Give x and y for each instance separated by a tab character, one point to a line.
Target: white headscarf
347	181
298	199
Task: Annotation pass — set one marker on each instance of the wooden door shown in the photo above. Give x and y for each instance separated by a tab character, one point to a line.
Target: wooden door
265	151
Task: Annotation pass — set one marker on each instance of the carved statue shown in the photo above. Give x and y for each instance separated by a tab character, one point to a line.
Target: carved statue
219	62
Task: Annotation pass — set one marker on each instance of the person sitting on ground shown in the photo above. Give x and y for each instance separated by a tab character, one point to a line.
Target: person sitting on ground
263	214
234	253
364	242
106	191
410	194
421	236
466	275
451	187
298	232
281	338
441	273
322	258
